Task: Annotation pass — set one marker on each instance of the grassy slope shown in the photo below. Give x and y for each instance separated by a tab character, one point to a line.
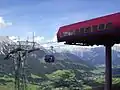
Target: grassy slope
10	86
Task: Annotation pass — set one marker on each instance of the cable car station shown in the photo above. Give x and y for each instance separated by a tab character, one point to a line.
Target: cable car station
103	30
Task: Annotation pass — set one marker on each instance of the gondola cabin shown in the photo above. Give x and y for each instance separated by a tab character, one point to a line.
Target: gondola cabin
94	31
49	58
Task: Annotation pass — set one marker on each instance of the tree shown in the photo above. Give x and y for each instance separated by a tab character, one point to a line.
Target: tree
64	78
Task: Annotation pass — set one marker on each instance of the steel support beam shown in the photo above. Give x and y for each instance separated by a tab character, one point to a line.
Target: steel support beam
108	69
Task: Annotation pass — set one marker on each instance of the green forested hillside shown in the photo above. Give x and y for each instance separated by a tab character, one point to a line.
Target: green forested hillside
68	72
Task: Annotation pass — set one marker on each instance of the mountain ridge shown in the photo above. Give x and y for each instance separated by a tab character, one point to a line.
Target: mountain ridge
63	60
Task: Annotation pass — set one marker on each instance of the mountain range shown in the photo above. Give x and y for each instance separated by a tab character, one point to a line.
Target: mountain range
73	58
96	56
35	60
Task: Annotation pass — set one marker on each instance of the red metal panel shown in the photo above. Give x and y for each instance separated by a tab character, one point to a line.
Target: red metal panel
113	18
109	18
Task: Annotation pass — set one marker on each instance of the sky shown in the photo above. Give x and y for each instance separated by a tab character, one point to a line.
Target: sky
44	17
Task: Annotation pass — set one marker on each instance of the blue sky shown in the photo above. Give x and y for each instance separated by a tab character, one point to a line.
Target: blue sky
44	17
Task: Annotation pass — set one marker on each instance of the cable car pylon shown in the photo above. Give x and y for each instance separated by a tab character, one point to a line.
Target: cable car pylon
19	56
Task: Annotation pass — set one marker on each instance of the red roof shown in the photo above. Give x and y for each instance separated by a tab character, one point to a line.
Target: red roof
103	19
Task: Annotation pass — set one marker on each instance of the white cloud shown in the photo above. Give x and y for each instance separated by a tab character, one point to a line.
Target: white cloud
54	39
39	39
13	38
36	38
29	33
3	23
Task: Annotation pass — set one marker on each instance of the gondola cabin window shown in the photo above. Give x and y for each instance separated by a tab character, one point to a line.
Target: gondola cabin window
87	30
94	28
82	30
101	27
